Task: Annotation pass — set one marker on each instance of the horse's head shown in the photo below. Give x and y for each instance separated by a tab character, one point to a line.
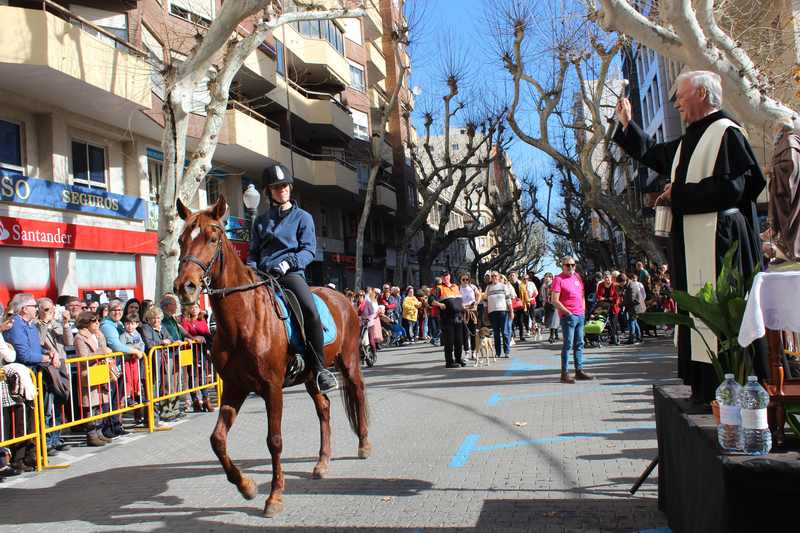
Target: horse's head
201	248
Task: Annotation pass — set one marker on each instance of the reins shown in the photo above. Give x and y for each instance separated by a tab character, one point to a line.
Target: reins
206	284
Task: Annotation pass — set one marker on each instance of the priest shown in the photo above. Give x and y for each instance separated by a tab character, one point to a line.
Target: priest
714	182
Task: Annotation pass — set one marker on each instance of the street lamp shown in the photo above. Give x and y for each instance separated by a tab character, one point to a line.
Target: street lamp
251	199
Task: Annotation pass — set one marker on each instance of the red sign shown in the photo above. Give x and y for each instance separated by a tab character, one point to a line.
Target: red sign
40	234
242	249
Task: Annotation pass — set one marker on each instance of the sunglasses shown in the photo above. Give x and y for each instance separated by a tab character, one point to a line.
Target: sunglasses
569	264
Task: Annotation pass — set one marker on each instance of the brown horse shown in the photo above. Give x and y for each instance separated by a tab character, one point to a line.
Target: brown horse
250	349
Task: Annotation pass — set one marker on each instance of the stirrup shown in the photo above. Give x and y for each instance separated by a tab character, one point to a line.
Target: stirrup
335	381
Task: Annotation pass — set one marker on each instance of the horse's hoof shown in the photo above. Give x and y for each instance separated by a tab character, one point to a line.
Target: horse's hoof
271	510
365	451
248	488
320	471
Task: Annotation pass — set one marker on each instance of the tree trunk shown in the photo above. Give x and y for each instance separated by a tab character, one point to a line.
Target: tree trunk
634	228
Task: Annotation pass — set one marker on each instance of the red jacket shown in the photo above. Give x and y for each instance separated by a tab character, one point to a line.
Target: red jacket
609	294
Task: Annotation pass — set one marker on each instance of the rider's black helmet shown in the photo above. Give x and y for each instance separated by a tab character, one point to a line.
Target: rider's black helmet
276	174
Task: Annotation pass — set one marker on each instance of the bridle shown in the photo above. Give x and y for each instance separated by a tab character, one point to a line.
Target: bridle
205	280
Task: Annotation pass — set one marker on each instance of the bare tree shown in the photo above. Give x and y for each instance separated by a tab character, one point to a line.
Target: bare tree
737	40
217	56
444	175
560	69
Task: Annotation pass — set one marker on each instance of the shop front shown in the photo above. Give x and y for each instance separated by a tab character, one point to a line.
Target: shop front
59	239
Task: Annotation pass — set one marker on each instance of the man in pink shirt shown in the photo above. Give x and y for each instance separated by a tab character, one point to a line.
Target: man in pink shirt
568	299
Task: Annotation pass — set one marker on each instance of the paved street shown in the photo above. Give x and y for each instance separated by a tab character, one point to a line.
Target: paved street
504	448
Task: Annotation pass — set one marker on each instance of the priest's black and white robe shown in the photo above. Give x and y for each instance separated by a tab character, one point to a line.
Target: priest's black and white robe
727	194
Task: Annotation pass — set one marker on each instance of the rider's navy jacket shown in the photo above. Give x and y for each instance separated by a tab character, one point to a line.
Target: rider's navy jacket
289	238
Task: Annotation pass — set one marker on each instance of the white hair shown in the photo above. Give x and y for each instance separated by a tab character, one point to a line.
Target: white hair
21	300
708	80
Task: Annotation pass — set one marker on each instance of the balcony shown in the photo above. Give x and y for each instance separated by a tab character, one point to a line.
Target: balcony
386	196
373	23
53	56
315	108
248	138
320	170
315	59
262	67
376	64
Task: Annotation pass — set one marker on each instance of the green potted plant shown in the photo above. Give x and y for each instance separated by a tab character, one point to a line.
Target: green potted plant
721	309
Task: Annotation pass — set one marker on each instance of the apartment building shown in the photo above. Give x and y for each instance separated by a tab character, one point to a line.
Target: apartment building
81	122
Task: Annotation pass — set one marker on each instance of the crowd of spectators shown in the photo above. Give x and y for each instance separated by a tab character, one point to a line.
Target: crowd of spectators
42	335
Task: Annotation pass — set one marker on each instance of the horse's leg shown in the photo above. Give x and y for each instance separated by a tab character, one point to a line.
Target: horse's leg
232	399
274	400
323	407
355	400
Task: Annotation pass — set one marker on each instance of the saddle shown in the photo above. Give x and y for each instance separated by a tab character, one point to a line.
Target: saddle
290	313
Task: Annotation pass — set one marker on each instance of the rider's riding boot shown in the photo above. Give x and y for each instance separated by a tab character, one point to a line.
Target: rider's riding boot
325	380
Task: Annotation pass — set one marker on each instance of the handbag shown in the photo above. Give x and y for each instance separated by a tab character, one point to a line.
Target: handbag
57	382
516	304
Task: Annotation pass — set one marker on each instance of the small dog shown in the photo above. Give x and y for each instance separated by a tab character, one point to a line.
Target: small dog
485	347
536	331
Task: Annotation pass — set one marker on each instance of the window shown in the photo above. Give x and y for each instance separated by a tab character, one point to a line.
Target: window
360	125
197	11
454	147
357	76
154	170
114	23
324	230
11	147
656	93
280	66
102	270
155	52
88	164
213	186
362	175
322	29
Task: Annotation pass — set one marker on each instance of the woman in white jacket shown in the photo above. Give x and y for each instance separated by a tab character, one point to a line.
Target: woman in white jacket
498	298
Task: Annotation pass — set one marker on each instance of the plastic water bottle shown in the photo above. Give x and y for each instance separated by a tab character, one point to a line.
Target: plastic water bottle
757	440
729	430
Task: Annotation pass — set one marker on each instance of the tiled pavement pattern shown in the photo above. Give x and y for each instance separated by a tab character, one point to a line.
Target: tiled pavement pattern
504	448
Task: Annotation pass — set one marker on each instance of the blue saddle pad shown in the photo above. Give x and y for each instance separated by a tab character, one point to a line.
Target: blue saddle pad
293	328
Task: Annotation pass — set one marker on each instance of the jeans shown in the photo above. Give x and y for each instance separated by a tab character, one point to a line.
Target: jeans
499	322
507	326
520	323
435	329
633	328
52	417
572	326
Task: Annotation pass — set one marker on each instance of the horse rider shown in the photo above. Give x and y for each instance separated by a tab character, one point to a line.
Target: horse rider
283	243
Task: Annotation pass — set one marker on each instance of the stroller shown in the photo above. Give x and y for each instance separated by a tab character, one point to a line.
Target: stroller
595	331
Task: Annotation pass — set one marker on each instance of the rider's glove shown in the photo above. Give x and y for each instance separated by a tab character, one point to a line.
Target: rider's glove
280	269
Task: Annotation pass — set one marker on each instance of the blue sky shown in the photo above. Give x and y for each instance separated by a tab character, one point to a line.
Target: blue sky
458	28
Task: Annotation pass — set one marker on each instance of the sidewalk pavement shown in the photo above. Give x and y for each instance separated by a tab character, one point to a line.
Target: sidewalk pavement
489	449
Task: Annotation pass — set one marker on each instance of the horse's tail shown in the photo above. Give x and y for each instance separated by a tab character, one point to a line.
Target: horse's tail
354	395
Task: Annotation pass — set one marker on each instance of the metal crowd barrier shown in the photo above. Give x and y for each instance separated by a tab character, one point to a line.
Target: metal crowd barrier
177	370
101	386
20	423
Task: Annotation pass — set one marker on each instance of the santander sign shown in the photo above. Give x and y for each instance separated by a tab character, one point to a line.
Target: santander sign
41	234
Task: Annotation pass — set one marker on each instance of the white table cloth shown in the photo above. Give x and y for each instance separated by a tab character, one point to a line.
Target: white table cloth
774	303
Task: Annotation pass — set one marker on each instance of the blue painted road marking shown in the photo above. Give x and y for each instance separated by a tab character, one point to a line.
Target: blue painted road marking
518	365
496	398
470	444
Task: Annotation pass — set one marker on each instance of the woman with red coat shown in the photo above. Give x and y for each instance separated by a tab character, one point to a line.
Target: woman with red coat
607	294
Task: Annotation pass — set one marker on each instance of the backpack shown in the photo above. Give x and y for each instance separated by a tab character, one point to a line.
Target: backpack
632	297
